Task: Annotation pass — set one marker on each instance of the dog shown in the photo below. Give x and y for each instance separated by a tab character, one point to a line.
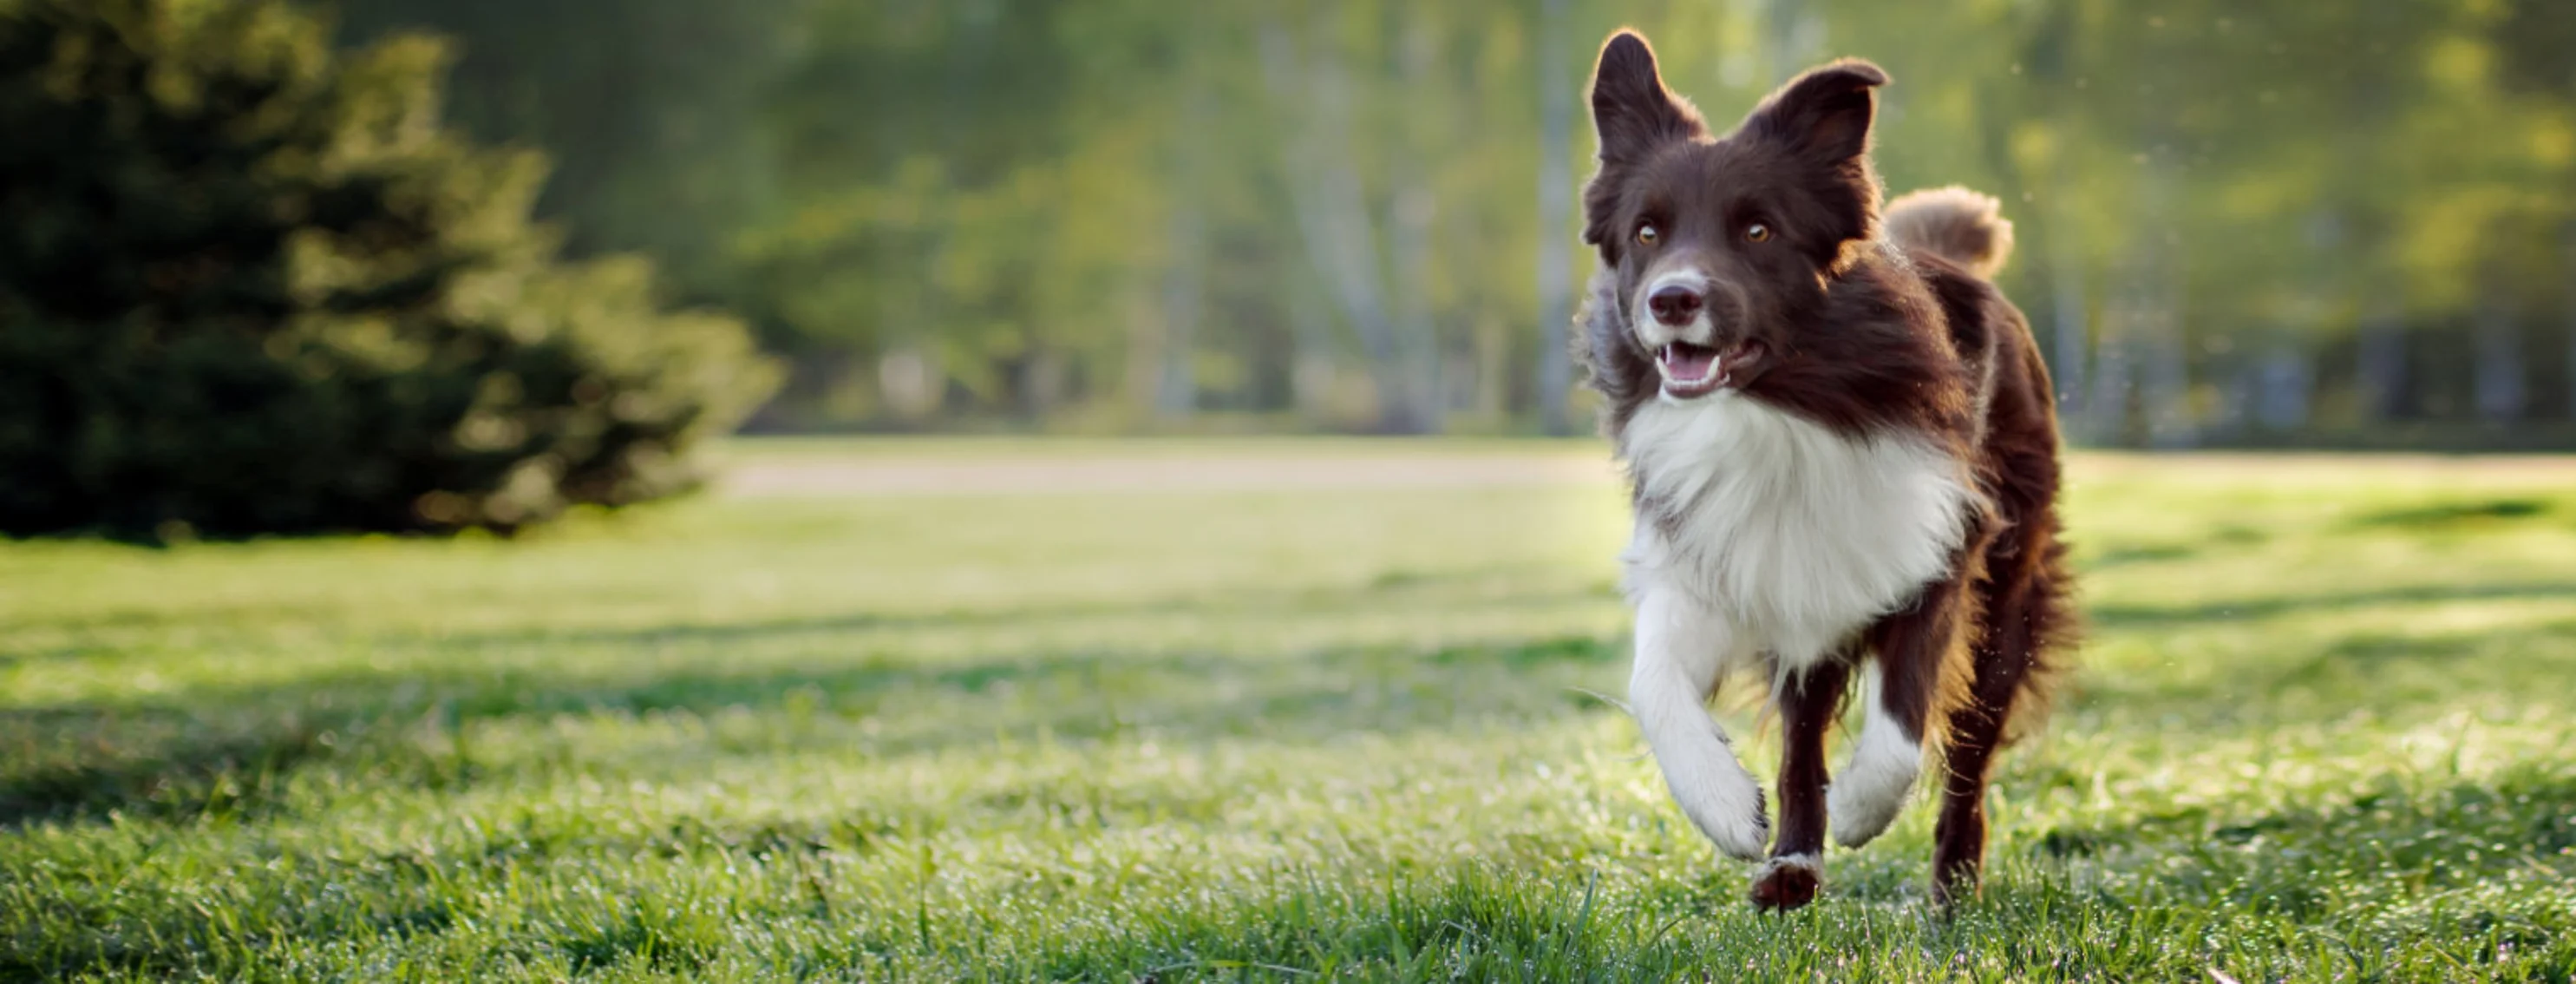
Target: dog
1844	460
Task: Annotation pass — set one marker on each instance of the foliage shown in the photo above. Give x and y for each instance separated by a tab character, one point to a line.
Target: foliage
1348	730
248	285
2251	224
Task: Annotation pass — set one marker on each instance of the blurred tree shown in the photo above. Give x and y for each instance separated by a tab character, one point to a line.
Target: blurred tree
2242	223
649	111
247	286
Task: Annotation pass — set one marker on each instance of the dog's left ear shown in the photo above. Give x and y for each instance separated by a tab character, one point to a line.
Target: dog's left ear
1825	114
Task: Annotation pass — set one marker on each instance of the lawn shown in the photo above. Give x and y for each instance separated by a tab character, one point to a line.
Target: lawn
1268	711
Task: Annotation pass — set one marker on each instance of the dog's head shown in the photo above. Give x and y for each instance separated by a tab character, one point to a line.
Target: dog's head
1722	246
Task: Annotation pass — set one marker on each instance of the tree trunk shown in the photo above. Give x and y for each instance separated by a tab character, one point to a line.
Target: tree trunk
1413	208
2106	409
1555	215
1140	378
2165	393
1418	401
1041	383
1311	377
2283	384
2382	368
1493	357
1333	218
2568	298
912	383
2170	422
2070	318
2498	344
1177	392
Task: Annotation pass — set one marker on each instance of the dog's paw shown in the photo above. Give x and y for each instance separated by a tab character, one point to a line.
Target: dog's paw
1787	882
1865	797
1741	826
1861	803
1857	819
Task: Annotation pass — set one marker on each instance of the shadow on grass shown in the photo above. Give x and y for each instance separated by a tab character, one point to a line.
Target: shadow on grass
1389	586
2148	911
229	748
2447	515
2384	673
84	762
2158	616
2397	830
2387	853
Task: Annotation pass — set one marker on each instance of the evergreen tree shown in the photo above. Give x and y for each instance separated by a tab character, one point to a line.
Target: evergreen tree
249	285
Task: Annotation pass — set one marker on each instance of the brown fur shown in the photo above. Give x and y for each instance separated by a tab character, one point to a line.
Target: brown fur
1807	708
1955	224
1877	324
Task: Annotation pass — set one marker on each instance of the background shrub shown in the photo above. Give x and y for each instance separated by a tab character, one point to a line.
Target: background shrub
250	285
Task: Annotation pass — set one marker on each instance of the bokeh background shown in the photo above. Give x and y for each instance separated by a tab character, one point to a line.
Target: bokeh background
1142	526
2264	224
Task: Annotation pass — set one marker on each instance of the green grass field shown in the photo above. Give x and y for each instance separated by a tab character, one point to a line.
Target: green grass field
1329	711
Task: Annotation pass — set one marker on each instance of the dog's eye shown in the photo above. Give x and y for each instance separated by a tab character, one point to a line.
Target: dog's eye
1756	232
1646	234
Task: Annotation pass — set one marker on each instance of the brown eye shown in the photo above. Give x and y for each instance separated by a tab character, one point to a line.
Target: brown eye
1757	232
1647	235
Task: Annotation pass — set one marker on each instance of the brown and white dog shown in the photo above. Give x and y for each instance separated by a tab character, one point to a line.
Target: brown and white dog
1844	456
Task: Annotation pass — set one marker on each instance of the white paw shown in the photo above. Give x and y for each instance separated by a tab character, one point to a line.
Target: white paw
1867	796
1729	808
1858	818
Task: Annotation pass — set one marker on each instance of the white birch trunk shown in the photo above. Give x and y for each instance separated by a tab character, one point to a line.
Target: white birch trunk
1555	219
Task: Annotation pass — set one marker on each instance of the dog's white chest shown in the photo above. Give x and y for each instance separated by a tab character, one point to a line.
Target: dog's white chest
1795	535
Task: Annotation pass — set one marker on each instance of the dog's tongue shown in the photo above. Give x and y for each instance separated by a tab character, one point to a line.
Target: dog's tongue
1688	363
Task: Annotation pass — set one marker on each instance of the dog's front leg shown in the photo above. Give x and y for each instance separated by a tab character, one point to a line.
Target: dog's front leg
1807	702
1915	654
1682	649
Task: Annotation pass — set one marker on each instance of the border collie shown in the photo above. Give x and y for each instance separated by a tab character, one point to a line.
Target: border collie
1844	461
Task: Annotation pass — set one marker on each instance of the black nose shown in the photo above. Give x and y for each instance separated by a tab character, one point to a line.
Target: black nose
1675	305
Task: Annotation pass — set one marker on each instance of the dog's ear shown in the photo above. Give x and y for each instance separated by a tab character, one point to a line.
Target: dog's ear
1824	114
1632	112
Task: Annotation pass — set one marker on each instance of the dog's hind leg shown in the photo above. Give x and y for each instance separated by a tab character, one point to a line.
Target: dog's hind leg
1682	649
2024	617
1807	702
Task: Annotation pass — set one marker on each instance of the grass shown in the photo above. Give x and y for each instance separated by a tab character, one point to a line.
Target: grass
1242	733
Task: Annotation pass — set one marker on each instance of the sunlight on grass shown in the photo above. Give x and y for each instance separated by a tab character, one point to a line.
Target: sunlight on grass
1248	734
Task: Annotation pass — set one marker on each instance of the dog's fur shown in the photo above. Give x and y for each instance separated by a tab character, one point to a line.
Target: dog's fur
1844	457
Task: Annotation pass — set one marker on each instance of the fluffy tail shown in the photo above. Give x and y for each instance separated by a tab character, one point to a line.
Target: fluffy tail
1955	224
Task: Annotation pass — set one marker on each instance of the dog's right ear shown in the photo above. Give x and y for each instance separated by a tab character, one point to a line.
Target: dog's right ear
1632	112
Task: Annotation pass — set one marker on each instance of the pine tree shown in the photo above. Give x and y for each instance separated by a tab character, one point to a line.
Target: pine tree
251	285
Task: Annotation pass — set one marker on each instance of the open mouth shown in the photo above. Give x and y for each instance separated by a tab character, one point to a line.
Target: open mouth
1698	370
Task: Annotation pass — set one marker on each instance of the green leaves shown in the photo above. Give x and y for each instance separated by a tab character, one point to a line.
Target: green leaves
249	286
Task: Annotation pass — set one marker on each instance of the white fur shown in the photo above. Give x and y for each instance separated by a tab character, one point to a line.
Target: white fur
1791	539
1681	651
1796	535
1808	862
1871	789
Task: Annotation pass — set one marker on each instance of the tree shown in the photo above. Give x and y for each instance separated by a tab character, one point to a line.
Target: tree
2258	223
247	286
